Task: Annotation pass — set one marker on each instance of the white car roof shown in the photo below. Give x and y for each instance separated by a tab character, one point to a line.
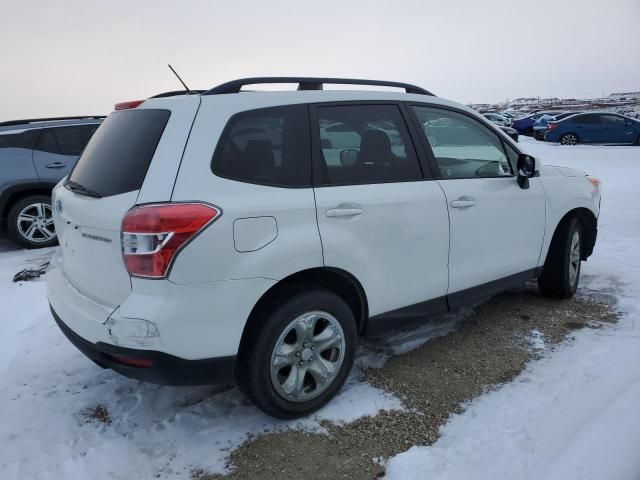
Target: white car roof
259	99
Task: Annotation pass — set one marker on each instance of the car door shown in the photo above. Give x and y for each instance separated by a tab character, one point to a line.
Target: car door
379	218
615	129
587	127
58	149
497	228
16	167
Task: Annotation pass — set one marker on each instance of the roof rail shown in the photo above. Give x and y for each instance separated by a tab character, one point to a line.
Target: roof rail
310	83
50	119
175	93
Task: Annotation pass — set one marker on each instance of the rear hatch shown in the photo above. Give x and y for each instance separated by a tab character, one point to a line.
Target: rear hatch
102	187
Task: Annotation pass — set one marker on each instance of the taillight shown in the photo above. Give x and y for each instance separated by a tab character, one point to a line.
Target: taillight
551	126
152	235
128	105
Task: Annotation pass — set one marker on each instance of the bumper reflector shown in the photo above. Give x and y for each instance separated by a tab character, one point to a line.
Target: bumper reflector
133	362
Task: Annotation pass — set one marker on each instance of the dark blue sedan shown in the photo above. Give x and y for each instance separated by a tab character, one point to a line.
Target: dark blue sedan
594	127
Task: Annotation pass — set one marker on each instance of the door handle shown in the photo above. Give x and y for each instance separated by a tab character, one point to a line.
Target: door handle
463	203
55	165
343	212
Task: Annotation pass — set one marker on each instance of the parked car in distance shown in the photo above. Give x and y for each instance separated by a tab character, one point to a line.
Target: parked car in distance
186	258
594	127
498	119
542	124
512	132
35	154
513	115
524	125
432	126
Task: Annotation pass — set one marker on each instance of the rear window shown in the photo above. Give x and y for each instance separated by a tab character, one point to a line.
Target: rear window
117	157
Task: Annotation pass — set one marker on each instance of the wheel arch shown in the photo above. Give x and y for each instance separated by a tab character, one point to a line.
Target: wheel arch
589	224
15	193
337	280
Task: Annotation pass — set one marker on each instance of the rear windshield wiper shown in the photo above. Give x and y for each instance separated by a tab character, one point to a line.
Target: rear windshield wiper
76	187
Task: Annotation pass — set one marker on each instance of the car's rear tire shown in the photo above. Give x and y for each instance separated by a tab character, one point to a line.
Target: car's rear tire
561	271
569	139
297	351
30	222
638	141
528	131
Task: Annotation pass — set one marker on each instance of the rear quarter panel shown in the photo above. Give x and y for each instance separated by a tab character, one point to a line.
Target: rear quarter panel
213	256
160	178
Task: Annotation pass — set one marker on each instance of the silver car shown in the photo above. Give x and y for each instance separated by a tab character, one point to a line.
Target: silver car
35	155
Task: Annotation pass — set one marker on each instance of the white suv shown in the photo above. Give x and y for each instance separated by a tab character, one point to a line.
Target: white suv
255	236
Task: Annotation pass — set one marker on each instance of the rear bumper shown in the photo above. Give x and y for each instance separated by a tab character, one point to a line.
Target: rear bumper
152	366
190	321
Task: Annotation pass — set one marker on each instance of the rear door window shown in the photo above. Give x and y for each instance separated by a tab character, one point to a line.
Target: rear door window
47	142
268	146
72	140
612	120
588	119
117	157
361	144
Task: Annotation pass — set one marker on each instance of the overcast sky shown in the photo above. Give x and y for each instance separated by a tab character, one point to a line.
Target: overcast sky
80	56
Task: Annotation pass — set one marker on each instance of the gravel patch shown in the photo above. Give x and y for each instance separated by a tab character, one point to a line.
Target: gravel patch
435	380
99	414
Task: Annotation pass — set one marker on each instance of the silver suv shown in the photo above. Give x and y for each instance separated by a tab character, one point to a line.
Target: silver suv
255	236
34	155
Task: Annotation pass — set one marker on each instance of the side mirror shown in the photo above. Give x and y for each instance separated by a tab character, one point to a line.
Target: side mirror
348	158
528	167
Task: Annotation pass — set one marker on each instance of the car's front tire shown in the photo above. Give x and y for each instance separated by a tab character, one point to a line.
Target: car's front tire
561	271
569	139
297	351
30	222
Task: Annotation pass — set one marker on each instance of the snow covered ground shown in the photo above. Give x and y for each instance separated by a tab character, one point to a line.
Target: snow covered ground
574	414
48	389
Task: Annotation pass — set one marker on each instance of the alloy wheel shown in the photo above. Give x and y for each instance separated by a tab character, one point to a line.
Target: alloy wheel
307	356
574	258
35	223
569	139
